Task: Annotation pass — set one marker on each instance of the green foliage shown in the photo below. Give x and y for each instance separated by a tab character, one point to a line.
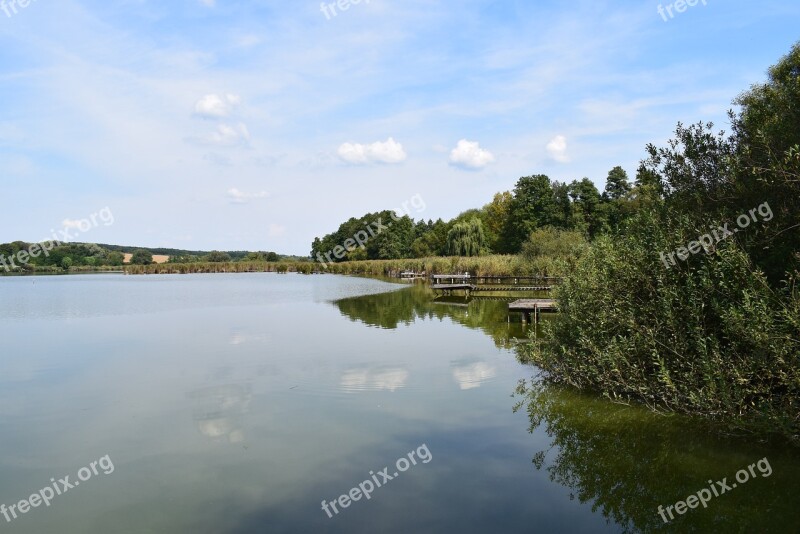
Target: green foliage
719	334
533	206
466	238
617	185
115	258
381	235
494	216
588	210
430	239
767	139
568	245
141	257
625	461
183	258
708	337
216	256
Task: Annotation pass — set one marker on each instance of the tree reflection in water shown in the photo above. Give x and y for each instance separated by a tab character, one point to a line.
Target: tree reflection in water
626	461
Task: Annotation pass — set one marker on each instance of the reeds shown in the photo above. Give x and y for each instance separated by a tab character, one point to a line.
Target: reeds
495	265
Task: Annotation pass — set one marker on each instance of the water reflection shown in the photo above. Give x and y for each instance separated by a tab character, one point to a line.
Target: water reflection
470	375
373	379
389	310
626	461
218	409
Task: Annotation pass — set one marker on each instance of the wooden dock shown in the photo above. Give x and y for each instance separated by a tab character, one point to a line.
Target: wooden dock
447	283
532	308
485	287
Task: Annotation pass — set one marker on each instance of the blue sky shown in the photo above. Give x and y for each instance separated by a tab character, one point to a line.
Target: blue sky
212	124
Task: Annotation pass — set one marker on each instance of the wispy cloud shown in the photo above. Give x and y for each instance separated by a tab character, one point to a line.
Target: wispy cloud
131	103
216	106
236	196
224	135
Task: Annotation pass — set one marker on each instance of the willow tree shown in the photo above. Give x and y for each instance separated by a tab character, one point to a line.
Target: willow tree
466	238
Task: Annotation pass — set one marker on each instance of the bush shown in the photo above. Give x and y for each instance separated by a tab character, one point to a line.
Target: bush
141	256
707	336
553	242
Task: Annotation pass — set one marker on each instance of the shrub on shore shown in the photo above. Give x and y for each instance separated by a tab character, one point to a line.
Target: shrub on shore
707	337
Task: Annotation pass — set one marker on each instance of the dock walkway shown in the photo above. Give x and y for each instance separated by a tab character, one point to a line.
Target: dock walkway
532	308
448	283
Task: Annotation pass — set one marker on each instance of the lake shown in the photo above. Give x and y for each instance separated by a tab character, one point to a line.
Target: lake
239	403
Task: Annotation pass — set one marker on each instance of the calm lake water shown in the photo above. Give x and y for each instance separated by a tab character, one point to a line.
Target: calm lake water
238	403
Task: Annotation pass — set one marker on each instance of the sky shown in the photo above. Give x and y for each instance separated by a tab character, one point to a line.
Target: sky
258	125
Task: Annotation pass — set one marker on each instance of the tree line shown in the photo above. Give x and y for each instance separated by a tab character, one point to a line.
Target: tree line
65	256
504	225
718	333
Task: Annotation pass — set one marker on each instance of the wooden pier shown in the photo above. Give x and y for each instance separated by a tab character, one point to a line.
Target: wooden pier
448	288
447	283
532	308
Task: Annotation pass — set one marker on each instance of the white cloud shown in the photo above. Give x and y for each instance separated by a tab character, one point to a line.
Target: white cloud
472	375
389	151
470	155
357	380
239	197
557	148
208	3
216	106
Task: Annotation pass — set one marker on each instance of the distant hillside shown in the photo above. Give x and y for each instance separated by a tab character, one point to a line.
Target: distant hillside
22	257
160	251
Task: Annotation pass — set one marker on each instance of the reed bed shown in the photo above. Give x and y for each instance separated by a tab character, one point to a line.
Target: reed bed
495	265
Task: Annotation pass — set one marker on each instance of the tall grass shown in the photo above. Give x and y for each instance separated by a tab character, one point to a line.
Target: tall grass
221	267
497	265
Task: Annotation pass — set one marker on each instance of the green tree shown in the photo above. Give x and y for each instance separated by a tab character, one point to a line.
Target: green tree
555	243
494	216
141	256
115	258
563	206
617	185
216	256
588	215
432	241
466	238
767	135
533	206
66	263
